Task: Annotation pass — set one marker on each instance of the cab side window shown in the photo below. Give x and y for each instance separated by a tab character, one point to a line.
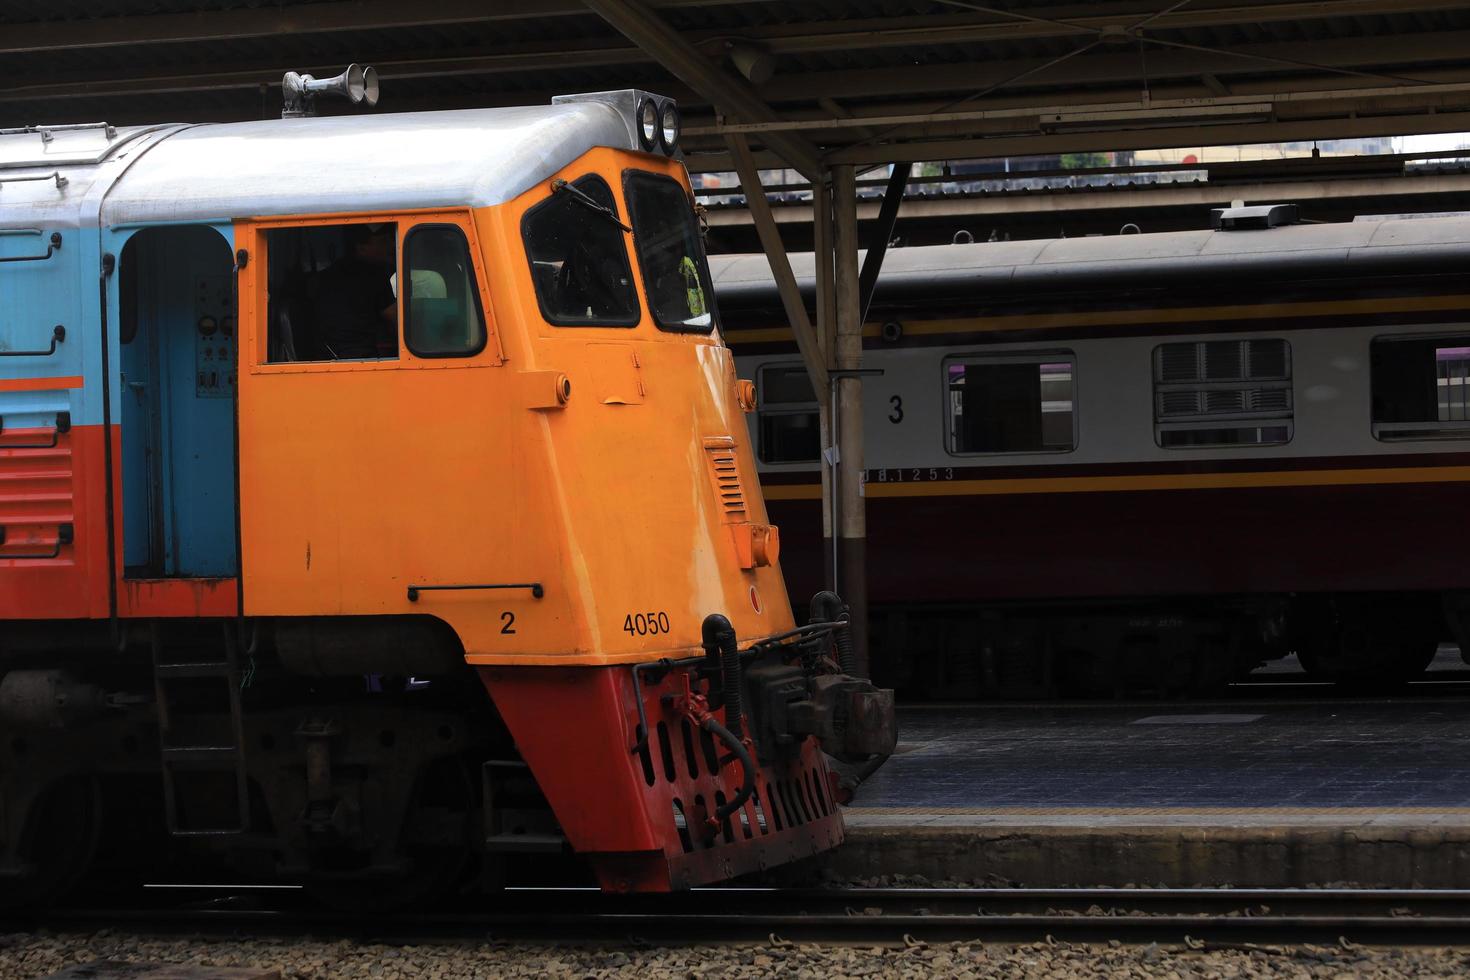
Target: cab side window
579	261
331	292
442	312
675	273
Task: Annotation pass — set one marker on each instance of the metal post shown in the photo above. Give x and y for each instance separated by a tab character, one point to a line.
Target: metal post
770	236
850	553
887	218
826	332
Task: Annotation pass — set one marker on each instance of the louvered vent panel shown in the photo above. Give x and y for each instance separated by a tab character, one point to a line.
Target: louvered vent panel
1267	358
1222	361
1222	393
36	496
725	472
37	474
1178	362
1270	399
1178	403
1224	401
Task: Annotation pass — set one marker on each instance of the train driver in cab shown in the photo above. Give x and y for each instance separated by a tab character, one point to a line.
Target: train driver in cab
356	310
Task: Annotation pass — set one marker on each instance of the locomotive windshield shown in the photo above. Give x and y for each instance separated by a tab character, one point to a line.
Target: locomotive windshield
675	273
578	260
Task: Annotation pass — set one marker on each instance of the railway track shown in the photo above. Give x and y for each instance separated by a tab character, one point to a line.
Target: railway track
857	915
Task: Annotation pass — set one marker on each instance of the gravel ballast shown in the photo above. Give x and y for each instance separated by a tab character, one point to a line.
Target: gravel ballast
24	956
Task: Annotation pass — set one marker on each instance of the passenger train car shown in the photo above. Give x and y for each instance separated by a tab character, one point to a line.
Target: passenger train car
1144	461
376	502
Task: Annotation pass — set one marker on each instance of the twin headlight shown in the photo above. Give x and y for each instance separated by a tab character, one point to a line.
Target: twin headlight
658	124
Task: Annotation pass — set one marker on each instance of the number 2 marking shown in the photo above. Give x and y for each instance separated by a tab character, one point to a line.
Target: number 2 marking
897	404
509	619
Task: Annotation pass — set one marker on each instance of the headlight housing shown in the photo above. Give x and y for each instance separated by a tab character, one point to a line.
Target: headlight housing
668	127
648	124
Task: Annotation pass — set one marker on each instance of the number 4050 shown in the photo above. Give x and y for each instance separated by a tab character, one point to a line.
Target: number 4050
646	624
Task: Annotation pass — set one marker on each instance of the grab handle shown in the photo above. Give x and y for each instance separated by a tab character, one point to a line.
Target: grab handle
63	424
413	590
64	536
51	249
58	334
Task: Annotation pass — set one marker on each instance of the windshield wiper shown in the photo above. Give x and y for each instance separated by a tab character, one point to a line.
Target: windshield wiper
587	200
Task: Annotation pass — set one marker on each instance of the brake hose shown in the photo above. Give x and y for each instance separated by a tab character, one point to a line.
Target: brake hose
747	783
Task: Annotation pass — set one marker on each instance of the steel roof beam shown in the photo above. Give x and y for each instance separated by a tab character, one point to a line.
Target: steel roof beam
369	15
1123	114
276	21
1089	70
895	82
637	22
760	214
701	130
103	84
1108	66
1082	23
982	147
1108	199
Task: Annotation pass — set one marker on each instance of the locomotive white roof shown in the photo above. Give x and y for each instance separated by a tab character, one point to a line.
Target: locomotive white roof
1332	249
387	161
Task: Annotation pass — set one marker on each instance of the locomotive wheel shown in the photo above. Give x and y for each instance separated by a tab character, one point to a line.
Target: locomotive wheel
445	794
57	845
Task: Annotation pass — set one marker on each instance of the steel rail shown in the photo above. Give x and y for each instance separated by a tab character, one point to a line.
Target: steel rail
860	915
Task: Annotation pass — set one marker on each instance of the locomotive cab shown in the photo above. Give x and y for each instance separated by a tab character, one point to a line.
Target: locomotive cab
389	510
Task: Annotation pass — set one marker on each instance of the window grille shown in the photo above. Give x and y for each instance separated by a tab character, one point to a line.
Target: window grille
1222	393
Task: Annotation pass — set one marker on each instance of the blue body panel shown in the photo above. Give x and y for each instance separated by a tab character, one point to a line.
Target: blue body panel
35	297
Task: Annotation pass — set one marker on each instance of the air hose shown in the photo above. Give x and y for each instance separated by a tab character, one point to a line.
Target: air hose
720	646
828	607
747	766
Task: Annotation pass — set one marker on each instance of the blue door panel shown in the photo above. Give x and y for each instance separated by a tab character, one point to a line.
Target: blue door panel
178	402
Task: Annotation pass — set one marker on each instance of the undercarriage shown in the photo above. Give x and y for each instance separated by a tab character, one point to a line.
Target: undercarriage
194	752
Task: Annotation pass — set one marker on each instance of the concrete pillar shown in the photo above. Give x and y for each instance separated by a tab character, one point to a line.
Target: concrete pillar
849	502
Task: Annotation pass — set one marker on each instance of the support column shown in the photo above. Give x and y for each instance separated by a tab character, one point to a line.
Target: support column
826	327
850	504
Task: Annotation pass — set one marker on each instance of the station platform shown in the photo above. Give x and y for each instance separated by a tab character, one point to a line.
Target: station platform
1281	784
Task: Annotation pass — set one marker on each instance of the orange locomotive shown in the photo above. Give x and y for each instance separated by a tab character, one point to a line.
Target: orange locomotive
315	431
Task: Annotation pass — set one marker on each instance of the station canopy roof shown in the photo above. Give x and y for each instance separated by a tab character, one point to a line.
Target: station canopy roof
868	82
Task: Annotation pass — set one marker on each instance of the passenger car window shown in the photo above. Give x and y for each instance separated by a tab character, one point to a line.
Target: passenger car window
1421	387
331	293
675	273
1214	393
579	261
1012	403
441	300
787	419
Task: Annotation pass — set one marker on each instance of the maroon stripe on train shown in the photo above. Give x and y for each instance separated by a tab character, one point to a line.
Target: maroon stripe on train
1146	543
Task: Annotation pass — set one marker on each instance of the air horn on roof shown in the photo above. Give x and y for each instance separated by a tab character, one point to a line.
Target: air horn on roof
357	84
